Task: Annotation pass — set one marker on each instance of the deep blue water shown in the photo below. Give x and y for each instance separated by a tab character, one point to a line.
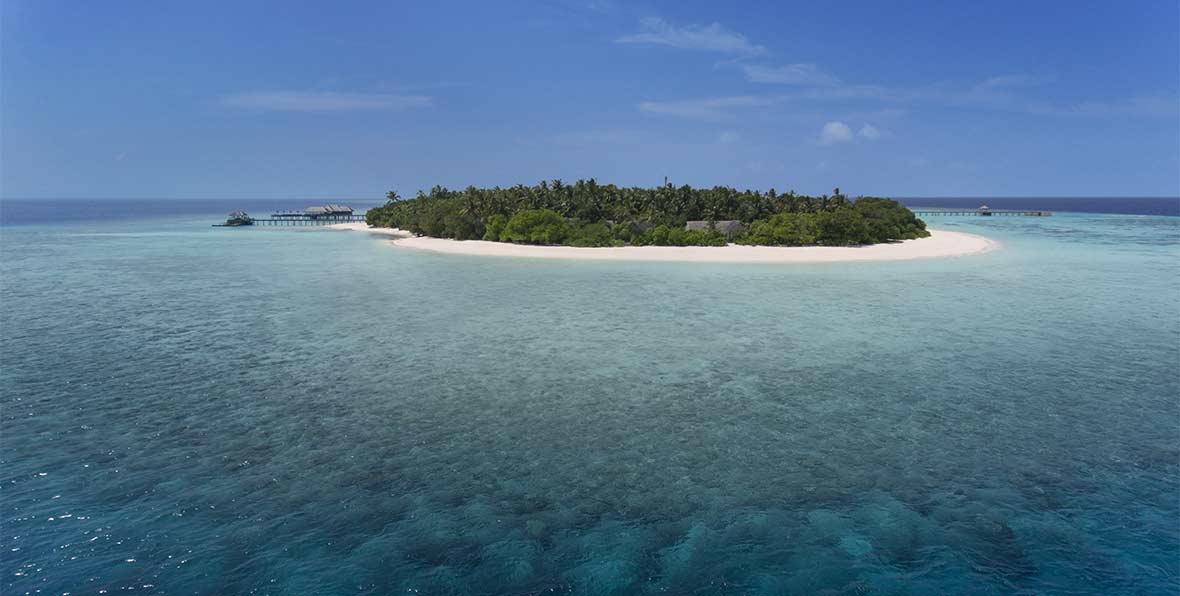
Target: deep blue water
1120	205
197	410
15	212
20	212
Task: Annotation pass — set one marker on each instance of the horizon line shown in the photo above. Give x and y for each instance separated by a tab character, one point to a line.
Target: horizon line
895	196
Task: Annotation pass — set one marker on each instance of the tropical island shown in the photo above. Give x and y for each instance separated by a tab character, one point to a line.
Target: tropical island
588	214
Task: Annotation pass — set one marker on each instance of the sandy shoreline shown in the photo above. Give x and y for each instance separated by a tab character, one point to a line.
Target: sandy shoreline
941	243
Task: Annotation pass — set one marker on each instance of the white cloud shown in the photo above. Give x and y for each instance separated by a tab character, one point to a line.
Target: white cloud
716	108
311	101
714	37
870	132
791	74
835	132
727	137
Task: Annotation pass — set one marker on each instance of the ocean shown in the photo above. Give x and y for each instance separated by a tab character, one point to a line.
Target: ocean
199	410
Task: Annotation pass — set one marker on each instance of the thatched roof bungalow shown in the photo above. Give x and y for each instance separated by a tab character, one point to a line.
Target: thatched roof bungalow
728	227
322	210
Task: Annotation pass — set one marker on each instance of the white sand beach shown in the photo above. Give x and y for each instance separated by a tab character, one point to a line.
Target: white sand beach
941	243
361	226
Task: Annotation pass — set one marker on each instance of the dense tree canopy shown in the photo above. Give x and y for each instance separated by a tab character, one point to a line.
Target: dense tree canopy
589	214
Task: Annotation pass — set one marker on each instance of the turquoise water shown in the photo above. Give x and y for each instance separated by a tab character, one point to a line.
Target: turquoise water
263	411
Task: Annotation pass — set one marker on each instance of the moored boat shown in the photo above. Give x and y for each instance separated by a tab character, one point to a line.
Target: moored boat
238	218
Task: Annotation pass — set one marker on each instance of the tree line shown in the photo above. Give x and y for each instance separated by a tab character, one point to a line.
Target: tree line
586	213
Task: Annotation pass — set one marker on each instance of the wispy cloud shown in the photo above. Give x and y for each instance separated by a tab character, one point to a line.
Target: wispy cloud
1008	81
1008	93
600	6
728	137
714	37
853	92
870	132
791	74
312	101
1137	106
835	132
716	108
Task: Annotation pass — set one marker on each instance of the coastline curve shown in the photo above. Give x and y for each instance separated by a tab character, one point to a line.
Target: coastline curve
940	244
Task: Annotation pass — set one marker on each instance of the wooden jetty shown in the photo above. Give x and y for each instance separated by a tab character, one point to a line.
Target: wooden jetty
301	220
324	215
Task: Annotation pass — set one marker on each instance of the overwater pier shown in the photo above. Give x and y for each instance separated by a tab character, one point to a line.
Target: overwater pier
279	219
325	215
982	211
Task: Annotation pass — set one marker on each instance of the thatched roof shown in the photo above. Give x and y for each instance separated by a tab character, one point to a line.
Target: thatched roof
327	210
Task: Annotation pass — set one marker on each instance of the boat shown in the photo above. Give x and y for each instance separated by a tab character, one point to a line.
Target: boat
237	218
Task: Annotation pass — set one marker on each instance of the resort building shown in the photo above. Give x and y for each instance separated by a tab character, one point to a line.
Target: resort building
728	227
327	210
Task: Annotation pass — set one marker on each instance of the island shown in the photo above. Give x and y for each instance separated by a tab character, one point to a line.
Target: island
589	221
588	214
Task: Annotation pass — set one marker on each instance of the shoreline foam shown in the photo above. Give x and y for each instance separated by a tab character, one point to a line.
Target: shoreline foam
940	244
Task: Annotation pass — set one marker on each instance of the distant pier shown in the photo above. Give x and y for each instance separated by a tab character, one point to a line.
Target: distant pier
984	211
325	215
302	220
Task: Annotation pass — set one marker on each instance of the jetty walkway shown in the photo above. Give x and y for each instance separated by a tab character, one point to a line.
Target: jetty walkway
299	219
318	215
982	212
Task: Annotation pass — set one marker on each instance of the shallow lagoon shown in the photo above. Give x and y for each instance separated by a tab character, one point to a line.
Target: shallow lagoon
198	410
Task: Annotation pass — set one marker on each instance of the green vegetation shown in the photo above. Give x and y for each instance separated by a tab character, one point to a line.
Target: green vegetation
663	235
588	214
867	220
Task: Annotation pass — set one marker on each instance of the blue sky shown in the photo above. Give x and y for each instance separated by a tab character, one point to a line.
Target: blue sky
309	100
